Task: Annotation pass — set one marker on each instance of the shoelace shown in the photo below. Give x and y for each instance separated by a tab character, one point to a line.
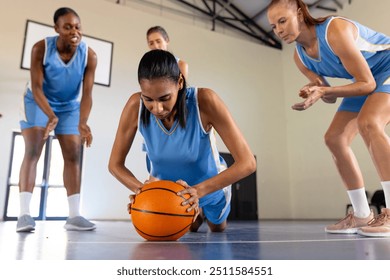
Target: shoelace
349	218
378	220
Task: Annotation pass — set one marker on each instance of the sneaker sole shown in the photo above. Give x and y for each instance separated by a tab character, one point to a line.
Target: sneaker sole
25	229
74	228
374	234
343	231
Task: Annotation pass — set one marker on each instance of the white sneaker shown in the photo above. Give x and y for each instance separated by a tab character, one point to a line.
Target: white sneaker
79	223
25	224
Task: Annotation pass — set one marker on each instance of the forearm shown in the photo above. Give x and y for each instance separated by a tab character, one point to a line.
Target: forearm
353	89
227	177
125	176
85	109
42	102
89	78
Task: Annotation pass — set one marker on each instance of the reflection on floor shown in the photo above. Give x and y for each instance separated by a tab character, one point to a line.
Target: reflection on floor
243	240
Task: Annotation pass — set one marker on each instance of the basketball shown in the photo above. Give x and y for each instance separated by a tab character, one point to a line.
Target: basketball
157	213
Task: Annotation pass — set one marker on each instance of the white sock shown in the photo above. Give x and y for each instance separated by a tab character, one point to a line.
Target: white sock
386	192
24	200
359	202
74	205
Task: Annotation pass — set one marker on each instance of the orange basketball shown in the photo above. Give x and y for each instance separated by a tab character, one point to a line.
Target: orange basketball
157	213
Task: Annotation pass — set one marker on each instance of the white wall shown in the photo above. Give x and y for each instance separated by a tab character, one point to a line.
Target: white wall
243	73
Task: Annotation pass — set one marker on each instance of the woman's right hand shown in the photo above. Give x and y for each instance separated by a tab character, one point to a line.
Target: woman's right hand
132	199
305	91
50	126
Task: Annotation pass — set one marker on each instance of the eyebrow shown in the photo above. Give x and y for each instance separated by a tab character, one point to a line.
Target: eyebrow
161	97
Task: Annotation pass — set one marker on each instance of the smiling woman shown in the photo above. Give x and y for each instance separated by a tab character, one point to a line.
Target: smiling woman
35	31
62	66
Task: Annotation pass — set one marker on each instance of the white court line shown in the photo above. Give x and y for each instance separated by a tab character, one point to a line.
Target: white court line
222	242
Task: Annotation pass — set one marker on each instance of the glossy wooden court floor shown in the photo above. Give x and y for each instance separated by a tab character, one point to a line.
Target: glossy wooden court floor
243	240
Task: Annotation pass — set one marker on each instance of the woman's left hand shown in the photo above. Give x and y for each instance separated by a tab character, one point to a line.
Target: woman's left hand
311	94
193	200
85	134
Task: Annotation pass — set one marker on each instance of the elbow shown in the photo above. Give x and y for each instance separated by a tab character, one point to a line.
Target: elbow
114	170
252	165
112	167
372	86
369	87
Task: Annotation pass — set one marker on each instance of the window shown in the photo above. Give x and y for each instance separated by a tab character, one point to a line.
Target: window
49	200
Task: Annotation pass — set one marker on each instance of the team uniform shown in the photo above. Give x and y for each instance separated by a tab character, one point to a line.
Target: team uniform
189	154
61	85
374	46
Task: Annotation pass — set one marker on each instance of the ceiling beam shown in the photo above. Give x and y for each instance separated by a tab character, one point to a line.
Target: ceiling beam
228	14
237	20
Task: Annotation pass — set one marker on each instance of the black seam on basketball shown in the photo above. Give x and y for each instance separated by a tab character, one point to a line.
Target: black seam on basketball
165	189
161	213
162	236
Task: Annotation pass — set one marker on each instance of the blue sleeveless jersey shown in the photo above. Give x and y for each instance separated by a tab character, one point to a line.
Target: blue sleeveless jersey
188	153
373	45
62	81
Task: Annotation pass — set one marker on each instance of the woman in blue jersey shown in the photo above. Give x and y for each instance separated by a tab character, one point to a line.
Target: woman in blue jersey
342	48
158	39
177	124
61	67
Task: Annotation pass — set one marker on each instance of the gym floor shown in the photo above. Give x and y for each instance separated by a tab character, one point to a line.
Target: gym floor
242	240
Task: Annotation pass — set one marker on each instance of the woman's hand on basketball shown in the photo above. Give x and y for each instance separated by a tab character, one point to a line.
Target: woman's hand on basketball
150	180
132	199
85	134
50	126
193	201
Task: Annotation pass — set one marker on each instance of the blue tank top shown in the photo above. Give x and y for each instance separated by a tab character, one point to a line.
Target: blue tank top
62	81
188	153
373	45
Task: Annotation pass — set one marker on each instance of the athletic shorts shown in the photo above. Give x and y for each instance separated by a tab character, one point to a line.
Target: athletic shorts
216	206
355	103
68	117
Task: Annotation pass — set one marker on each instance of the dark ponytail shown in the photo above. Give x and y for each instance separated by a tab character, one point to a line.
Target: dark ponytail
157	64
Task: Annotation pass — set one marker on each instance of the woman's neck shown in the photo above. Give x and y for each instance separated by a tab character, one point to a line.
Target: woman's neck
308	40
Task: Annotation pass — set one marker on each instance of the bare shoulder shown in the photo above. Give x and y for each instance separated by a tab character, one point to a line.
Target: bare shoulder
39	48
209	101
39	45
130	112
134	101
207	95
339	28
182	62
92	53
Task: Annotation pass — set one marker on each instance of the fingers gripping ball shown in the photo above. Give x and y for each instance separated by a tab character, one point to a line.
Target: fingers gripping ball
157	213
